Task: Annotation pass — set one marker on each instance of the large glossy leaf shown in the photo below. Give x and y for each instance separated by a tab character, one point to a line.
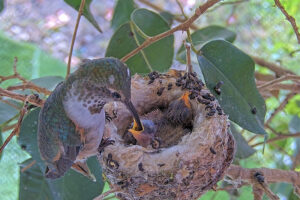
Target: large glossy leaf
169	17
86	11
6	112
33	184
240	99
122	12
204	35
157	56
243	149
32	61
48	82
72	186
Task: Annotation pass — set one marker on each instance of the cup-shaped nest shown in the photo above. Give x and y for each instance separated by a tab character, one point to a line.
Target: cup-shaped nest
195	145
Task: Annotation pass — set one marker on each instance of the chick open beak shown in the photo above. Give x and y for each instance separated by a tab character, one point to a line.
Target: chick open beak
131	108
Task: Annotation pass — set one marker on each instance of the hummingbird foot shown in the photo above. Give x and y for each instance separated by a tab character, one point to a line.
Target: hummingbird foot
105	143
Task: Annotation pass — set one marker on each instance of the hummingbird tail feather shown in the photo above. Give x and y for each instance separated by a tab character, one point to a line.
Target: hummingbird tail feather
83	169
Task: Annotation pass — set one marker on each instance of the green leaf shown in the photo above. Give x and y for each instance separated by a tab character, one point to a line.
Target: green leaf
1	142
169	17
122	13
86	11
243	149
32	61
6	112
33	184
1	5
71	186
129	36
204	35
28	135
221	61
48	82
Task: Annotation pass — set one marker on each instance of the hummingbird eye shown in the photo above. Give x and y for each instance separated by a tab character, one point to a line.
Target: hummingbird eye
116	95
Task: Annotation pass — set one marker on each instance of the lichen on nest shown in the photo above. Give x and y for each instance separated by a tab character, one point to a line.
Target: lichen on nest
195	147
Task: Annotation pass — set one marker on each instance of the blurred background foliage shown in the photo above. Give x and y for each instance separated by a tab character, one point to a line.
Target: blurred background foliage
39	34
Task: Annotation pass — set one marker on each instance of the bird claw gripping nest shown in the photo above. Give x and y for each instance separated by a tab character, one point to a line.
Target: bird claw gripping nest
193	146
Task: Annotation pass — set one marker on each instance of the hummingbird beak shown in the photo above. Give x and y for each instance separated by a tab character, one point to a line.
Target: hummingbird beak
133	111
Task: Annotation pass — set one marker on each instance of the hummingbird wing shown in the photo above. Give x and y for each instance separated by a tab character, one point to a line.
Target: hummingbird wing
59	141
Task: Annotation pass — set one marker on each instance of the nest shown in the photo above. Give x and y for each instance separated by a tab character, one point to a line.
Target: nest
194	152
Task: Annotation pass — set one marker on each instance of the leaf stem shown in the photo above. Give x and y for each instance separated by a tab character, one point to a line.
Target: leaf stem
74	36
183	27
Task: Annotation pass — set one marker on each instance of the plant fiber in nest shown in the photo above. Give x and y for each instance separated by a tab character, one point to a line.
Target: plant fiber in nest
182	171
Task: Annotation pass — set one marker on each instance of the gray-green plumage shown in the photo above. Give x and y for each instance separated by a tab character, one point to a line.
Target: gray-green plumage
71	123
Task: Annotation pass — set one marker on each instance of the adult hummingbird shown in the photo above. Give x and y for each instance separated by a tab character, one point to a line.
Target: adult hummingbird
71	122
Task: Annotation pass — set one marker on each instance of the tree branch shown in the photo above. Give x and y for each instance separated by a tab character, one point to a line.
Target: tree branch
31	98
269	176
159	9
277	69
279	137
16	129
278	80
185	25
289	18
281	106
31	86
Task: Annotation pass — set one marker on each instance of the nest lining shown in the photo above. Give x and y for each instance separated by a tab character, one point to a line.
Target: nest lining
184	169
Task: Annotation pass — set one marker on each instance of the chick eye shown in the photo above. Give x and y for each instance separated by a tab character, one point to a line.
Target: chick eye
116	95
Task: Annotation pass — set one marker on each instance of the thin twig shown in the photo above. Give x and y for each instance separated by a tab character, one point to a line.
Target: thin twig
272	129
74	35
105	194
159	9
16	129
293	52
9	127
279	70
281	106
189	66
295	88
258	193
267	190
26	84
16	75
280	137
31	86
296	160
227	3
32	98
28	166
183	27
278	80
181	9
236	172
289	18
252	138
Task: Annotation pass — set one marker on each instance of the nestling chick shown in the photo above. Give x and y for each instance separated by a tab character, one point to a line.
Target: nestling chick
158	131
179	111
